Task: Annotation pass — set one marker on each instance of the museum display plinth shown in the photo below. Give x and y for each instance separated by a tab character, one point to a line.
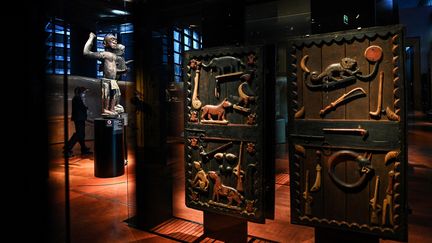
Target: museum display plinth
108	147
225	228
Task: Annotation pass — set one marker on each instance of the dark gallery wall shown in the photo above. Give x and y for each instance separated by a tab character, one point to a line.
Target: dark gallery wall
273	21
338	15
417	17
223	23
419	21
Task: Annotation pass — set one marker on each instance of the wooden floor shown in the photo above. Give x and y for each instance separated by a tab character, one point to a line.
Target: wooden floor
101	207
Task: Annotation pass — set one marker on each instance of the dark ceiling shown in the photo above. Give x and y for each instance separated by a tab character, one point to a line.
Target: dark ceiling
90	12
87	13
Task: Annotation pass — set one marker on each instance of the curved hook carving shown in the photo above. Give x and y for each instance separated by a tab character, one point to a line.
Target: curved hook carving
377	114
303	64
300	113
300	150
391	115
391	155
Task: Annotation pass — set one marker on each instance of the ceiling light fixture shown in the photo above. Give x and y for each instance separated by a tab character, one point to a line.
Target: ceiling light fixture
119	12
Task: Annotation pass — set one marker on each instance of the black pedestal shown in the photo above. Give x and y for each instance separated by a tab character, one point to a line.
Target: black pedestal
108	147
225	228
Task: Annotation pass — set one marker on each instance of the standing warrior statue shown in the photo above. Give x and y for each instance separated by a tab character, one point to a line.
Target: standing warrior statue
109	57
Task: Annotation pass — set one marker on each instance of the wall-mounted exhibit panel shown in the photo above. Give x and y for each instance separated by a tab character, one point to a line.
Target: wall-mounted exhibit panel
347	131
229	120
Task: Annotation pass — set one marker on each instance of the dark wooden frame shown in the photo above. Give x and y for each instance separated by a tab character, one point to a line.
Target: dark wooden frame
260	187
333	207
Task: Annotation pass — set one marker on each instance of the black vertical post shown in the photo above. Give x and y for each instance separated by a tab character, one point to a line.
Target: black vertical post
27	159
66	131
153	178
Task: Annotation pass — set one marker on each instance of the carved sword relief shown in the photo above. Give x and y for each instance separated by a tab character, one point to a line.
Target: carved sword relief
375	207
360	131
350	95
207	155
388	201
238	172
306	196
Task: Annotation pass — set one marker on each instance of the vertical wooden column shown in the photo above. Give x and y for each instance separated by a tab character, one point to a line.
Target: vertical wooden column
225	228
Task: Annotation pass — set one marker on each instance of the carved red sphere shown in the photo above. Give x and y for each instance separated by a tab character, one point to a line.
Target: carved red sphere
373	53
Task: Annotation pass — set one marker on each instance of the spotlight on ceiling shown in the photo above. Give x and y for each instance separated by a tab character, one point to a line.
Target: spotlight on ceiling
119	12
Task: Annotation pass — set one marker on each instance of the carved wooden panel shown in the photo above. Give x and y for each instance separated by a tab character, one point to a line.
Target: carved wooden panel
347	133
228	155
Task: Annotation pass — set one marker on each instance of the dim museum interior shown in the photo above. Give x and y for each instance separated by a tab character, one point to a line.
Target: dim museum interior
224	125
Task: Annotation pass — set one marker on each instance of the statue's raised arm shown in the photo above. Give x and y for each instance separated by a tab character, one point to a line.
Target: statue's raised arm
88	46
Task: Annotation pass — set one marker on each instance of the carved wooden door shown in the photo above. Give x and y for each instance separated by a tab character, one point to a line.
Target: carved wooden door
228	131
347	131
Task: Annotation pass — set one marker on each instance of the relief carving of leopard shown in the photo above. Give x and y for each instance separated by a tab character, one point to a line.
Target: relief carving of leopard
336	71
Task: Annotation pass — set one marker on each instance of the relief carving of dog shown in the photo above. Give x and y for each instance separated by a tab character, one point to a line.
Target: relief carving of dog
215	111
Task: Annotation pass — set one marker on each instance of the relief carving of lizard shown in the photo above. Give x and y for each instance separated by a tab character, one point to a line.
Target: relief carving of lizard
336	71
346	71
